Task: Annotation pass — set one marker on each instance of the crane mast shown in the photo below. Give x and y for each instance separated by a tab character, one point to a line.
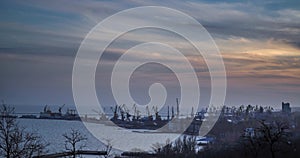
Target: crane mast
177	103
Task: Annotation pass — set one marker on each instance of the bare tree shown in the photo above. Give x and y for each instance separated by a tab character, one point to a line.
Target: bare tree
182	147
252	143
16	141
163	150
74	141
273	135
186	145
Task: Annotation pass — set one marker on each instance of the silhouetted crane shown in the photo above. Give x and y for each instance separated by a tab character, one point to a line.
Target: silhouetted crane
157	116
45	108
136	115
115	111
126	110
168	117
59	109
150	117
122	113
173	112
177	107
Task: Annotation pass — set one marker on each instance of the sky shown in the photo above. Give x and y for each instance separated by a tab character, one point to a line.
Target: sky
259	42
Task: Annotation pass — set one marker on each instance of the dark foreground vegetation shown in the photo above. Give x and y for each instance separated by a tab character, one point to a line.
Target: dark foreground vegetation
269	138
16	142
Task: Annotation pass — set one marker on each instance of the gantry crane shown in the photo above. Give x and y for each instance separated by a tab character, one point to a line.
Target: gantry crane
115	111
157	116
59	109
150	117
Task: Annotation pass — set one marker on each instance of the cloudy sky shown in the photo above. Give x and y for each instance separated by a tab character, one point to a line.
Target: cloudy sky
259	42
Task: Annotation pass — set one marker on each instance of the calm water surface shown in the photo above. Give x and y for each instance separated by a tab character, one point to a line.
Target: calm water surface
52	131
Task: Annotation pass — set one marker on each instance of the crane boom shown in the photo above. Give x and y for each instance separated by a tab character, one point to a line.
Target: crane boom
59	109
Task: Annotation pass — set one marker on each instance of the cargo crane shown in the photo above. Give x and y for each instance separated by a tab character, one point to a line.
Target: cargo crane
59	109
177	107
157	116
168	117
126	110
115	111
136	115
150	117
122	112
173	112
134	112
47	109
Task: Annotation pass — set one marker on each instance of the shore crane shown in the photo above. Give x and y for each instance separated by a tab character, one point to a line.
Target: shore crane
136	114
115	111
59	109
150	117
157	116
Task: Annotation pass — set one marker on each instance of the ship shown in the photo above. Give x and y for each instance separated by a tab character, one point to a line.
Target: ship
171	123
47	113
121	117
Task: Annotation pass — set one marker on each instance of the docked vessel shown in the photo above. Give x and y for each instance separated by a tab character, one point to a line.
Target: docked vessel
170	123
69	115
